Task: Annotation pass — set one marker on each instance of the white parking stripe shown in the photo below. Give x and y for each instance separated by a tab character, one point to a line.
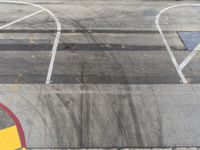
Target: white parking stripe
20	19
54	49
188	59
57	38
197	47
192	54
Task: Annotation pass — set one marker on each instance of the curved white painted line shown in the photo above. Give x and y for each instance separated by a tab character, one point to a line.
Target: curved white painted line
57	38
178	67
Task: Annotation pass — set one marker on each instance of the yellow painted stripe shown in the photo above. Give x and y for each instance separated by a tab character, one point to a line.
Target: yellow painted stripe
9	139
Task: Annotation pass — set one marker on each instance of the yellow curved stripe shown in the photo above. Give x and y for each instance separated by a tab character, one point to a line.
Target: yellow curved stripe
9	139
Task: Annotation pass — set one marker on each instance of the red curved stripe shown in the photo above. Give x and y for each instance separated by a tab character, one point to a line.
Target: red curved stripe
16	120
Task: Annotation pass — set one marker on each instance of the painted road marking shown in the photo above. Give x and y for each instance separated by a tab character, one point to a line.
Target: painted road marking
189	57
190	39
9	139
20	19
198	47
178	67
12	132
57	38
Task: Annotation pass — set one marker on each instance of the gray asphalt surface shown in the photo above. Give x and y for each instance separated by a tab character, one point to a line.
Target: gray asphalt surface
118	38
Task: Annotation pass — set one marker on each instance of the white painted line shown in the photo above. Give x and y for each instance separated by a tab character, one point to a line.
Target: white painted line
53	56
57	38
54	49
20	19
187	59
178	68
197	47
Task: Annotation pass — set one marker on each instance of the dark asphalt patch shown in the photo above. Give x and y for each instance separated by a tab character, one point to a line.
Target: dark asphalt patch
106	79
91	79
150	12
83	47
85	31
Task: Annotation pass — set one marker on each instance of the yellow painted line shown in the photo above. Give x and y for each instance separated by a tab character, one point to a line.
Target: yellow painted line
9	139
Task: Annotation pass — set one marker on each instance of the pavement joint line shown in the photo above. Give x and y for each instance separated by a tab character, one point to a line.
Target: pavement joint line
57	38
178	67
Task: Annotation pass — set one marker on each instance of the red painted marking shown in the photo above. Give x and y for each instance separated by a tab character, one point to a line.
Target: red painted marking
18	124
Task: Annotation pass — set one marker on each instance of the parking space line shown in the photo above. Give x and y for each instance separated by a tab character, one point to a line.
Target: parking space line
20	19
189	58
53	53
57	38
197	47
178	67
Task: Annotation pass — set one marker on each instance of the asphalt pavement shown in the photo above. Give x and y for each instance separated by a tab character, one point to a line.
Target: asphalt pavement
116	80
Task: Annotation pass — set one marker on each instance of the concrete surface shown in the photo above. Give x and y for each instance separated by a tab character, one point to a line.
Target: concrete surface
77	116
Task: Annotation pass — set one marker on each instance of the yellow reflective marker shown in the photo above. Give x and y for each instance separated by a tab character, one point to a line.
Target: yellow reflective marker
9	139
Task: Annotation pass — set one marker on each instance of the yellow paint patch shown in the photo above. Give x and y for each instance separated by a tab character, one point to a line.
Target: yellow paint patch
9	139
